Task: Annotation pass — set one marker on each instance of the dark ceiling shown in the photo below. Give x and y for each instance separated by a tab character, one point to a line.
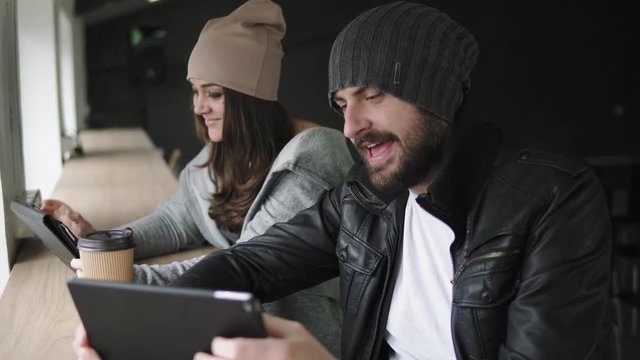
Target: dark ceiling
84	7
97	11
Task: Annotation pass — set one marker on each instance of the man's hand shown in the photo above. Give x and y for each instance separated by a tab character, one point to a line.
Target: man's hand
81	345
287	340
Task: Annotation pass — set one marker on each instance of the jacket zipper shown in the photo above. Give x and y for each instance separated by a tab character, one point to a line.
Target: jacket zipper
455	272
452	256
490	255
356	194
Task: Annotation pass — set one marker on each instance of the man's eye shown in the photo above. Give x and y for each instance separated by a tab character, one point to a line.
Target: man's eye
374	96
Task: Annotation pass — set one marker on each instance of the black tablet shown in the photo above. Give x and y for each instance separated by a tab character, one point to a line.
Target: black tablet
54	234
132	321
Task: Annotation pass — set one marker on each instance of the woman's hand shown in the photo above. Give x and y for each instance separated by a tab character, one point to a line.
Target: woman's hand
287	340
76	264
65	214
81	345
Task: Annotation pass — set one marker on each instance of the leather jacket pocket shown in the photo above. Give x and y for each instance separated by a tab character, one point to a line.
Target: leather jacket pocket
481	297
358	262
487	279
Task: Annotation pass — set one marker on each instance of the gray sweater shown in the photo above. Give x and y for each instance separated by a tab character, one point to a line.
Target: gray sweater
311	163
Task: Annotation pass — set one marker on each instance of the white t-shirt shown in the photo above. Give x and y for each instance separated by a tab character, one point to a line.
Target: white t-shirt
419	324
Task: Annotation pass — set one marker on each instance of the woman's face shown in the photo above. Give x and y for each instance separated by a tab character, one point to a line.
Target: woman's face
208	102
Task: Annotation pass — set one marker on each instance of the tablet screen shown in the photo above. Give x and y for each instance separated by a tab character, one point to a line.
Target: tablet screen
54	234
132	321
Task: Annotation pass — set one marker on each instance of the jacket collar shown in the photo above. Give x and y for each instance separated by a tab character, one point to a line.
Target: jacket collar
469	154
359	177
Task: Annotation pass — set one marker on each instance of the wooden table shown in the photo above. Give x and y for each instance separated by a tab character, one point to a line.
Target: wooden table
120	178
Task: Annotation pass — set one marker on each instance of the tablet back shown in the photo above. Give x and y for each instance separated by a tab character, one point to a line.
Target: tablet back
54	234
131	321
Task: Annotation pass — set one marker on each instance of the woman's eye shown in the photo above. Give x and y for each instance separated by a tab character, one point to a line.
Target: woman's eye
214	95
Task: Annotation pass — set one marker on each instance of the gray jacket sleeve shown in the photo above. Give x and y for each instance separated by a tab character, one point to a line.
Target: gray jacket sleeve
178	224
309	165
170	228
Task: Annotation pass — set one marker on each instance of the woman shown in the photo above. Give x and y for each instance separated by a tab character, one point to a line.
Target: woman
259	166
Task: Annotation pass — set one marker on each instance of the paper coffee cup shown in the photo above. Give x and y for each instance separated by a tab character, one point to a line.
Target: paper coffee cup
107	255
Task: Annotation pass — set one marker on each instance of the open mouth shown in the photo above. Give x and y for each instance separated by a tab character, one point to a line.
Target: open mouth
378	152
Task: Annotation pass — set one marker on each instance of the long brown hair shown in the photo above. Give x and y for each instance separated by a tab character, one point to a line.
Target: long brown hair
253	133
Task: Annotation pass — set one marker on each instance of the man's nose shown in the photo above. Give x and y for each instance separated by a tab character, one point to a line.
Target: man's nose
355	121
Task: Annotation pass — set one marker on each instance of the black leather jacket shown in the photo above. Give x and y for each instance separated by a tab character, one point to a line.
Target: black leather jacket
531	258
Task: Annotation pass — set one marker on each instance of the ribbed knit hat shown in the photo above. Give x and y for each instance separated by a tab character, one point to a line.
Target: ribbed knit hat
242	51
412	51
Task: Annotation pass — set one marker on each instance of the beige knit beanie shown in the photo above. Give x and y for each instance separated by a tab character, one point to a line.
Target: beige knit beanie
242	51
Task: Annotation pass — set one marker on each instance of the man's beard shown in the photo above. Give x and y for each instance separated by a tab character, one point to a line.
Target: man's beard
419	157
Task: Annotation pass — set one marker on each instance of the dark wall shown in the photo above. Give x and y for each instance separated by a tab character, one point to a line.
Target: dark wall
557	75
118	97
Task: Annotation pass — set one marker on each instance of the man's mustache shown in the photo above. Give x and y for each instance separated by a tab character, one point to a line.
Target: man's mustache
374	137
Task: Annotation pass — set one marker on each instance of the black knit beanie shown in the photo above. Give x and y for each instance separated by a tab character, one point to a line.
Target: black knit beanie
412	51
